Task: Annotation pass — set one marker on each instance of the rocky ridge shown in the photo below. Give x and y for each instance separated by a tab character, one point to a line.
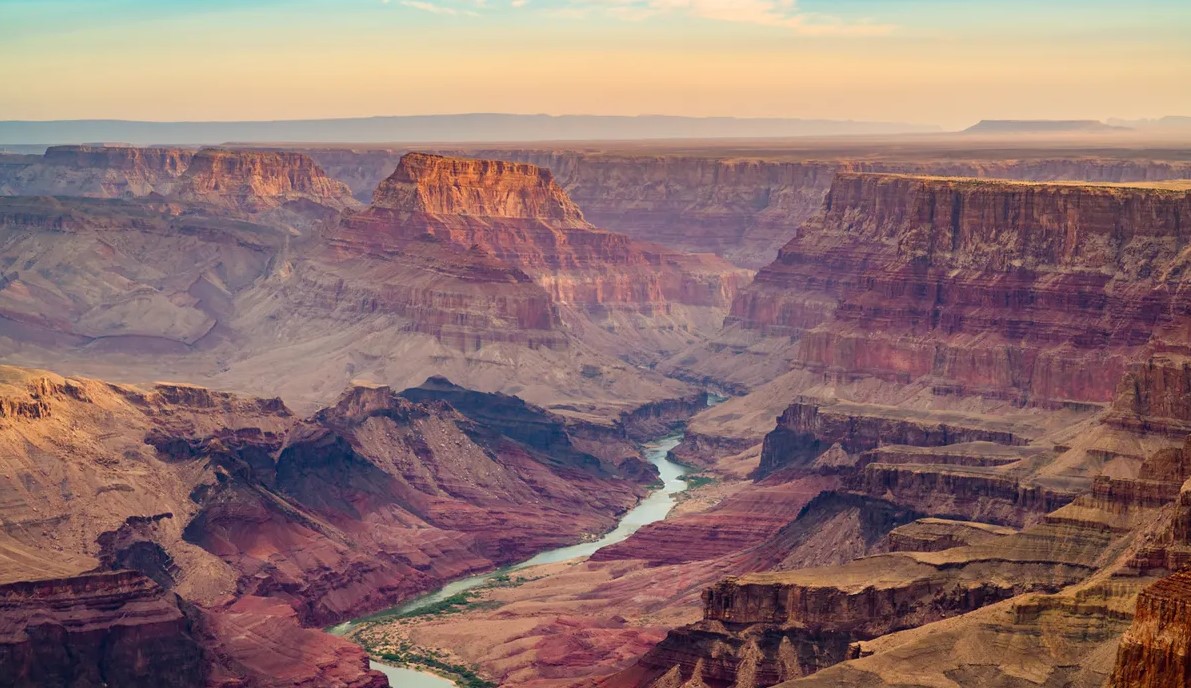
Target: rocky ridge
743	205
216	513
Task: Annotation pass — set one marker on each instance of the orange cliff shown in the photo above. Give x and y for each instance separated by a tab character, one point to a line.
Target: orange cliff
1043	293
257	180
519	215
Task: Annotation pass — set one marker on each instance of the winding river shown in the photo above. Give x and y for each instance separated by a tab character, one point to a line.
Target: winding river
654	507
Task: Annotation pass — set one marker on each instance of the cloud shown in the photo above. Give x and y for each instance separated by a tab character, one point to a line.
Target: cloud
436	8
780	13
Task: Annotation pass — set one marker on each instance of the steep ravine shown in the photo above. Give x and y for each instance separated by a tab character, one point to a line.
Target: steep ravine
654	507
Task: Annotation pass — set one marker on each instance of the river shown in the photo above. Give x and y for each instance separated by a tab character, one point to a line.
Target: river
654	507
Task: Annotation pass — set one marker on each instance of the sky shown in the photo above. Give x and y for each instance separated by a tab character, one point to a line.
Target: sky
945	62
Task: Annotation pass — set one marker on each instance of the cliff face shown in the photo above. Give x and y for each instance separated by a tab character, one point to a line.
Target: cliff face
245	181
1059	578
97	171
1156	650
256	180
516	213
742	207
995	288
96	630
242	257
436	185
1154	396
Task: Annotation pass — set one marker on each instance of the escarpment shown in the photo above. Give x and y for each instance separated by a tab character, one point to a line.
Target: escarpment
245	181
97	629
256	180
518	214
1041	293
742	205
247	255
97	171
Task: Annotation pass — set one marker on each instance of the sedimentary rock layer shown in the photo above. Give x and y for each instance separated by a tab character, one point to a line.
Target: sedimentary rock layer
97	629
743	205
1040	292
239	180
1156	650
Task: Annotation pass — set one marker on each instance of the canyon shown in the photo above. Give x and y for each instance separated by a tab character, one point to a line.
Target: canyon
955	413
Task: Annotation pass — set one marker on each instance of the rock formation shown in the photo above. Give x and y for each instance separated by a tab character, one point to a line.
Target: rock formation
1077	566
233	180
1156	650
171	519
517	213
96	629
954	272
256	180
744	205
96	171
461	265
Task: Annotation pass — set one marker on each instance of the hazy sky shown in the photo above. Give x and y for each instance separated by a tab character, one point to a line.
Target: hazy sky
947	62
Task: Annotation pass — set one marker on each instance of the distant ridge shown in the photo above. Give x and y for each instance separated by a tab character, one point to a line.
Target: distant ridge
1041	126
438	128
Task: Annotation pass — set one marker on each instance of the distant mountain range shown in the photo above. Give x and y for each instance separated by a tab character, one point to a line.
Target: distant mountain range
437	128
1179	125
1041	126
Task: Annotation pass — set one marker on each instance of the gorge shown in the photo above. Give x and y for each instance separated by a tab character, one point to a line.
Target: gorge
427	398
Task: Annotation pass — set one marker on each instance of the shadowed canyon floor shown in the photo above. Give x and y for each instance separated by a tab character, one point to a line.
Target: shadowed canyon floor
954	450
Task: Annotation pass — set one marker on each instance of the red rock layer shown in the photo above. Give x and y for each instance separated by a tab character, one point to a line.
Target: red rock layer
1156	650
464	298
807	428
1037	292
517	214
740	522
98	629
1154	396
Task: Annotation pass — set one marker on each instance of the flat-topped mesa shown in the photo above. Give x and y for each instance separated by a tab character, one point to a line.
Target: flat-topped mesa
437	185
518	214
257	180
170	162
1040	292
97	172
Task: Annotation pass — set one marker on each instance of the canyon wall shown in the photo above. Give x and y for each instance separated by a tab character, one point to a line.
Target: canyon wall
95	630
1042	293
741	206
240	256
235	180
1156	650
517	213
